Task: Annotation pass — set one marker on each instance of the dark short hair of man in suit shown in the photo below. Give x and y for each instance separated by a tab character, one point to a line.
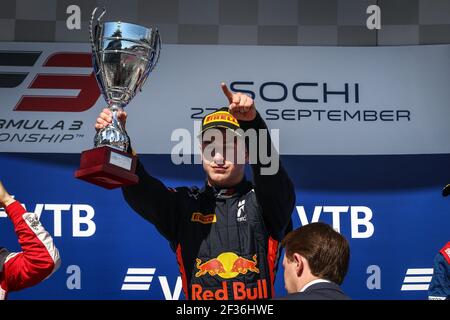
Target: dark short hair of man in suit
316	261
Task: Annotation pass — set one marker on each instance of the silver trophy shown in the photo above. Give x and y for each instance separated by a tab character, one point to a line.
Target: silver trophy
123	55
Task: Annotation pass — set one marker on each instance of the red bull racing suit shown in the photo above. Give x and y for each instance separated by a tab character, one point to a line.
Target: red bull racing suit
226	240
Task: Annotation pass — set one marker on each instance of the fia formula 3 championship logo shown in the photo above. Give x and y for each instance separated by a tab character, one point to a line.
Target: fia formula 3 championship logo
18	69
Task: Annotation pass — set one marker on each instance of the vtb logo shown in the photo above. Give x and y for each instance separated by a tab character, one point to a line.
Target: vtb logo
86	84
227	265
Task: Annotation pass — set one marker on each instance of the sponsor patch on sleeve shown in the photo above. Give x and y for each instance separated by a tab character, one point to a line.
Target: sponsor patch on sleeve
202	218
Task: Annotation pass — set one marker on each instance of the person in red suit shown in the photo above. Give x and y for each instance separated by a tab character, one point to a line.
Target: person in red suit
39	257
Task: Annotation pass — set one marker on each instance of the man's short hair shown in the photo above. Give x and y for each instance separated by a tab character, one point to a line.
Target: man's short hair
327	251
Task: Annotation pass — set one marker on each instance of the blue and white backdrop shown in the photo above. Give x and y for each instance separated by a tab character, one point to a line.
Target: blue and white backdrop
364	134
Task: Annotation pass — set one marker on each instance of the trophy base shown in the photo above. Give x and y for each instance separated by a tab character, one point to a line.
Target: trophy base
107	167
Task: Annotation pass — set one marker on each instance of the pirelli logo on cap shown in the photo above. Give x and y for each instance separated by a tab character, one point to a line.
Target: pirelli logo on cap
204	219
221	116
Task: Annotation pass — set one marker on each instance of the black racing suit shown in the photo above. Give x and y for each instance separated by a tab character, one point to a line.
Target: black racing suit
227	242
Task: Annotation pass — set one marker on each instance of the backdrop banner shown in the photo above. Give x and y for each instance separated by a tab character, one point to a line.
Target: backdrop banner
364	135
333	100
390	209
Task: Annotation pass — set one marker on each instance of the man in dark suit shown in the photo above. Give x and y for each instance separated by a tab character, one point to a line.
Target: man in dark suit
315	263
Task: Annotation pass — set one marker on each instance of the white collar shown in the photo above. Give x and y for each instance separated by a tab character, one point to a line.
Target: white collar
313	282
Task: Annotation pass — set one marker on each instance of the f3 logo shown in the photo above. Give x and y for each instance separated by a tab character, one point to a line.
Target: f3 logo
86	84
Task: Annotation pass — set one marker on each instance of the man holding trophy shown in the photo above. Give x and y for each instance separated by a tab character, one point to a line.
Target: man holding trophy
227	235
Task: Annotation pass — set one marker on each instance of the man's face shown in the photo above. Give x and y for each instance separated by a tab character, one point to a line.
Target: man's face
224	158
290	275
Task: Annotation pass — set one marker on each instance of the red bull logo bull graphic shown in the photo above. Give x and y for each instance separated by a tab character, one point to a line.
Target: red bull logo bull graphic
242	265
213	267
229	265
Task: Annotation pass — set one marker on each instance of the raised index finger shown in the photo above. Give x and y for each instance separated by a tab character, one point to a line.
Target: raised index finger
227	92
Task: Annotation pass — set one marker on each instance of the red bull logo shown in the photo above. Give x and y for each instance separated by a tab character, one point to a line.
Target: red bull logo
227	265
242	265
213	267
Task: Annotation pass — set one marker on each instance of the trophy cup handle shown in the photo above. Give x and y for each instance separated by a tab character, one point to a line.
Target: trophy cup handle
157	51
95	31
